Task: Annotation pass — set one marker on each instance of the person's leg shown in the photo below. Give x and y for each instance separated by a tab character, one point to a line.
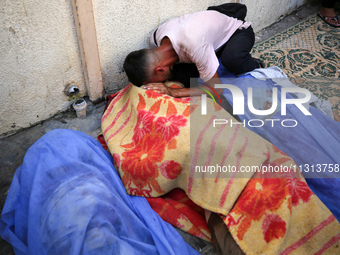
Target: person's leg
222	240
236	52
328	14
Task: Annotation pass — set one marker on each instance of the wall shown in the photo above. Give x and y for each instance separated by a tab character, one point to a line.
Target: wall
39	49
124	26
266	12
39	56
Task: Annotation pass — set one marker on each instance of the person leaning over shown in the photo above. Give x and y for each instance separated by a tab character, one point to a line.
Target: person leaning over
198	38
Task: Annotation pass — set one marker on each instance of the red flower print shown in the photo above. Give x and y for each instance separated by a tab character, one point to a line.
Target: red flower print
143	126
152	93
139	164
169	126
260	195
175	86
299	191
273	227
184	100
170	169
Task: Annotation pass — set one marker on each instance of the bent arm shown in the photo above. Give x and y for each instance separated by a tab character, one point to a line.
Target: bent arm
185	92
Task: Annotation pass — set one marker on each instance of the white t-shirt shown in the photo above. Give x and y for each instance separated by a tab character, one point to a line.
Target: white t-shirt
195	38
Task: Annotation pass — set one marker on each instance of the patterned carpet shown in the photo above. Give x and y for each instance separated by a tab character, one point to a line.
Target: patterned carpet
309	53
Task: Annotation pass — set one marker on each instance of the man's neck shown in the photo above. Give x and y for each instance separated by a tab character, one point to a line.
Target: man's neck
167	52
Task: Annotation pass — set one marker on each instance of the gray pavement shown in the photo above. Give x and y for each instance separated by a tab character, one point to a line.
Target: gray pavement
14	147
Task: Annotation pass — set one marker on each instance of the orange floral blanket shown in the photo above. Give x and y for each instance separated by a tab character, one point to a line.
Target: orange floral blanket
156	151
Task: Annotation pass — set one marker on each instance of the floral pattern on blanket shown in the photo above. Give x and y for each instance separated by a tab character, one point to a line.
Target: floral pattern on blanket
148	135
272	194
152	135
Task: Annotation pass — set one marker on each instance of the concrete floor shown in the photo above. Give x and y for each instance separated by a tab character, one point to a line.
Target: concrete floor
13	148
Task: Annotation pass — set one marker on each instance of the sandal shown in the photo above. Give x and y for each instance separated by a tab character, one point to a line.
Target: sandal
333	21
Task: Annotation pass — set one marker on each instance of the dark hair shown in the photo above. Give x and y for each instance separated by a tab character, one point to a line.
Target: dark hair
136	67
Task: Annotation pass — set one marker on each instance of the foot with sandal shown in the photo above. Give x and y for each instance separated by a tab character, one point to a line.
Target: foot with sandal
327	13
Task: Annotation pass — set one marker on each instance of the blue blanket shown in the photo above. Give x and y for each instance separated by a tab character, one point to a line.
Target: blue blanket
314	143
67	198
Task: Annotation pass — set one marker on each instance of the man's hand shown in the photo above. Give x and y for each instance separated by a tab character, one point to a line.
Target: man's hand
161	88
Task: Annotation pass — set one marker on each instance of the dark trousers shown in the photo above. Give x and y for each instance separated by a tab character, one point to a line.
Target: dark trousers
234	55
222	240
328	3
